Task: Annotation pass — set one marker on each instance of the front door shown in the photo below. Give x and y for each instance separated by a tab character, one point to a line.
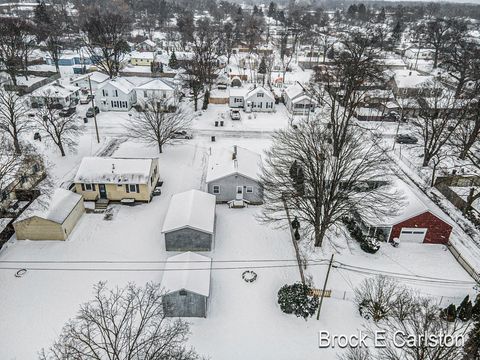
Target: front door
103	191
239	195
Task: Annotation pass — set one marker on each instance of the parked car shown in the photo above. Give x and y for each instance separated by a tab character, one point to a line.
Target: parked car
235	114
91	113
406	139
182	135
67	112
85	100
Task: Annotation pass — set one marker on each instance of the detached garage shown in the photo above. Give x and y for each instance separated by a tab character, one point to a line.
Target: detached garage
50	218
190	222
186	281
414	223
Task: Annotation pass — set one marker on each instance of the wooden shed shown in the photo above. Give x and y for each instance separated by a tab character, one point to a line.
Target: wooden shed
187	290
50	218
190	222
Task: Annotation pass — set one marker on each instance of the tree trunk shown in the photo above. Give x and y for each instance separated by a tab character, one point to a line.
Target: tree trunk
16	145
60	146
160	148
319	235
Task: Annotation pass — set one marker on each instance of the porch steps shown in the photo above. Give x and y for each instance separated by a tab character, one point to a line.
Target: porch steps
101	204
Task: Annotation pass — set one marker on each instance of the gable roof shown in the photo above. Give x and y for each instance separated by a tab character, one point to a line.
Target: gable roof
258	89
156	84
121	84
105	170
411	79
187	271
55	208
221	163
194	209
294	90
55	90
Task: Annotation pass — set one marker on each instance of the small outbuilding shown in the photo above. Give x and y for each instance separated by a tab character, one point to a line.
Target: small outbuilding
50	218
186	281
190	222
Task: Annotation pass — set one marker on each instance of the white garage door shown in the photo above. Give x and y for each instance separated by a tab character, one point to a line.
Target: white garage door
412	235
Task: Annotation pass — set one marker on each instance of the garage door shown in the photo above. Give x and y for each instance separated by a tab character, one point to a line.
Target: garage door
412	235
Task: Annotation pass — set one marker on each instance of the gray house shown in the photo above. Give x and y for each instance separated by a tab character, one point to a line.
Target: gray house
233	174
190	222
187	291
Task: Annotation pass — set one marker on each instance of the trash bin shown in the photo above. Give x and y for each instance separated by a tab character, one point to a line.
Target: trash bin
213	138
216	123
221	123
85	120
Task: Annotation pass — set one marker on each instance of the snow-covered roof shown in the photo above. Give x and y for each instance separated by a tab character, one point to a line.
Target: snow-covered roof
193	209
237	92
258	89
148	42
411	205
294	90
221	163
121	84
142	55
411	79
156	84
105	170
95	76
55	90
56	208
187	271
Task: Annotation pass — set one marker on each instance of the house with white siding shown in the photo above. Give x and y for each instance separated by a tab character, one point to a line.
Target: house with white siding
116	95
96	80
257	99
155	89
297	100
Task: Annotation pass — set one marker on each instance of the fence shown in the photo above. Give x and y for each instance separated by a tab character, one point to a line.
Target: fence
425	178
464	263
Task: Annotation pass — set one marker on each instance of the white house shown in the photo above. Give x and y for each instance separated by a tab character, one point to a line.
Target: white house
116	95
146	45
61	94
96	79
256	99
297	100
156	88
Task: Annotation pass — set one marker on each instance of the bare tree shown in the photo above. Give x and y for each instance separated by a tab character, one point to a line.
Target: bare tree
13	119
467	133
62	131
158	123
435	33
423	322
319	185
123	323
9	163
106	29
14	33
340	88
377	297
439	116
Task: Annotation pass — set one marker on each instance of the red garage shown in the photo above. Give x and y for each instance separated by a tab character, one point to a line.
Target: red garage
414	222
422	228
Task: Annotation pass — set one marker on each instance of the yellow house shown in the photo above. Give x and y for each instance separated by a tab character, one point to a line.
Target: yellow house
142	58
117	179
50	218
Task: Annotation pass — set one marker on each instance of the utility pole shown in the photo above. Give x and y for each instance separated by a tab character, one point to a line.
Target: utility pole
93	108
324	287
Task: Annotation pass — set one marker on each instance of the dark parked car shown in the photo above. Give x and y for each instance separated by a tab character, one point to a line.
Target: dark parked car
182	135
406	139
90	111
67	112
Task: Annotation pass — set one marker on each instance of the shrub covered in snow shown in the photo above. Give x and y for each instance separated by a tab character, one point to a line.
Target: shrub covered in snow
367	244
297	299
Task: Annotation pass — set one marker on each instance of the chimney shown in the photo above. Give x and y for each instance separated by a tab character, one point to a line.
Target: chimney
234	155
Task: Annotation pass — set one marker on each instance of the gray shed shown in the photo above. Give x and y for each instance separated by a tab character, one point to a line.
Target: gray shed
186	281
190	222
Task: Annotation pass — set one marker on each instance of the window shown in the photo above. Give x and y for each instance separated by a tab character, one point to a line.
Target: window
133	188
145	93
260	94
216	189
89	187
182	292
116	93
105	92
249	189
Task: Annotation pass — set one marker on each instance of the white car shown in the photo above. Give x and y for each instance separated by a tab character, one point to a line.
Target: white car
235	114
